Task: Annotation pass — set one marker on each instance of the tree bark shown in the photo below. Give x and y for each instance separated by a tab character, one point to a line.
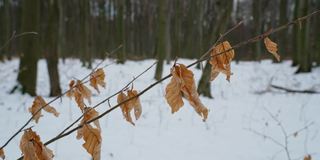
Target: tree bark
302	37
283	34
51	47
257	24
161	44
30	47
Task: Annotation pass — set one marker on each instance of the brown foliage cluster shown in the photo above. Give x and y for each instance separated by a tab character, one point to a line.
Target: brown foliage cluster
32	148
37	106
182	85
129	105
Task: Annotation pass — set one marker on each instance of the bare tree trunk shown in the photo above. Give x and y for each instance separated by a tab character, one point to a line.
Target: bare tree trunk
257	24
120	27
283	34
317	36
304	60
161	44
168	32
30	47
51	47
5	28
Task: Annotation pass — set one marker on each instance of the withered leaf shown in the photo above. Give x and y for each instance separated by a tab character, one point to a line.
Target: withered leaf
307	157
173	92
272	48
38	103
97	78
135	103
92	139
125	107
80	92
91	135
32	148
89	114
183	81
221	60
2	154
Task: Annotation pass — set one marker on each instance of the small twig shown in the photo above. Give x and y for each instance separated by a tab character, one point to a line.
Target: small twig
168	76
294	90
108	98
284	132
300	130
14	36
252	40
220	39
53	100
266	137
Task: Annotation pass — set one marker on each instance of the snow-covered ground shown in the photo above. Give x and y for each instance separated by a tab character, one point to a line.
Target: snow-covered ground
239	112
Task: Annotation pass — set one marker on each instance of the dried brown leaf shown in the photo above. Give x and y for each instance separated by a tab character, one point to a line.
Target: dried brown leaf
32	148
221	60
70	92
91	135
173	93
183	81
89	114
97	79
2	154
92	139
135	103
125	107
272	48
38	103
307	157
80	92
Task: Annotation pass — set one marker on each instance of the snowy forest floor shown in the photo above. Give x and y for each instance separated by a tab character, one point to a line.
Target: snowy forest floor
242	122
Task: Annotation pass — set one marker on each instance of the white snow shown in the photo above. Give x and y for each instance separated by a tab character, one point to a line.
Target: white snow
238	109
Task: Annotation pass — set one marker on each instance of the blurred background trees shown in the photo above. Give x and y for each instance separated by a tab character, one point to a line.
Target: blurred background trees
162	29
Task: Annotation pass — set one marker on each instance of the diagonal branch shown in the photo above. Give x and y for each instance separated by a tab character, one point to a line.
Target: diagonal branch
251	40
243	43
53	100
14	36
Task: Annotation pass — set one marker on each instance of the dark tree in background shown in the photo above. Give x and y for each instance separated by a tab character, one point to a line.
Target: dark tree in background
27	76
51	46
161	29
161	38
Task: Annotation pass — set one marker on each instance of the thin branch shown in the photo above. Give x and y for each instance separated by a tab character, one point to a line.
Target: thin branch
300	130
108	98
252	40
294	90
266	137
14	36
53	100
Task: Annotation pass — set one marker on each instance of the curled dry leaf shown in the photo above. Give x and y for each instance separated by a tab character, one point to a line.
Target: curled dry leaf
221	60
127	107
92	139
272	48
91	135
182	84
35	109
80	92
90	113
135	103
2	154
97	78
307	157
32	148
